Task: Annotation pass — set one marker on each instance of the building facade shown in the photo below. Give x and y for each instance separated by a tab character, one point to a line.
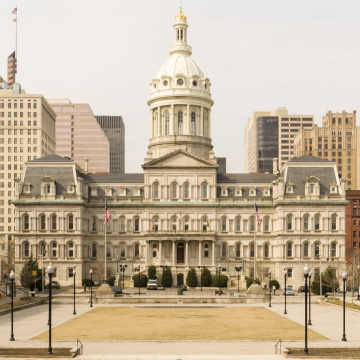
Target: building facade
181	210
11	69
27	132
352	224
114	129
264	141
79	136
336	141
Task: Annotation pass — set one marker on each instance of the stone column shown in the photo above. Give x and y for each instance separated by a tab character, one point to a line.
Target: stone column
173	253
213	254
160	251
200	253
209	124
146	251
172	120
152	124
188	120
159	122
186	252
202	122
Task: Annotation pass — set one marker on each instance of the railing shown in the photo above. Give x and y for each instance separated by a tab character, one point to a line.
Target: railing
278	348
79	350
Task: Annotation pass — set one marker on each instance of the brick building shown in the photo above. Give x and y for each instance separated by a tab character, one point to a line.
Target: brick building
352	223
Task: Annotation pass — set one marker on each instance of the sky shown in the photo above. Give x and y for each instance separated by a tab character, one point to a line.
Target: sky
259	55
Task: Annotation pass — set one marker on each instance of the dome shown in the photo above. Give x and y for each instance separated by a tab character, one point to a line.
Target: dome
180	16
180	64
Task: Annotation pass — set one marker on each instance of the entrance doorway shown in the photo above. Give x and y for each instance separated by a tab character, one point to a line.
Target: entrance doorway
180	279
180	253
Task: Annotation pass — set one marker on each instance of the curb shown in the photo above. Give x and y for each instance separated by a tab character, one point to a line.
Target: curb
340	307
21	307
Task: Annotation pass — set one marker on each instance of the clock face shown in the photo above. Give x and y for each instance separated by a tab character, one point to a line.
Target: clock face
165	83
180	82
194	83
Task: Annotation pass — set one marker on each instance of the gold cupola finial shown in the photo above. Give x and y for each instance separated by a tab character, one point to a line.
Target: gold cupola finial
180	15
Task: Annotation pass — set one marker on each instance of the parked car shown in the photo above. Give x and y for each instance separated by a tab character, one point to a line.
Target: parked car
152	285
183	287
289	291
301	289
117	290
54	285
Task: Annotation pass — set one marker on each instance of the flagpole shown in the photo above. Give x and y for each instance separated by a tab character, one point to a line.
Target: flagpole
255	243
105	240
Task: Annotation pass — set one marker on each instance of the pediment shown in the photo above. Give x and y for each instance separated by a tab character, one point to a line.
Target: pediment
180	159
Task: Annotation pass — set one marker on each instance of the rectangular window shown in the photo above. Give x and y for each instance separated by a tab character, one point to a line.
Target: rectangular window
289	273
354	232
354	245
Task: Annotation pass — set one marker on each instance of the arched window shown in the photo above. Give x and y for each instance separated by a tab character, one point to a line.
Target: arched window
193	123
48	189
306	249
186	224
173	190
26	222
311	189
94	224
137	250
53	222
156	191
154	250
306	222
93	251
252	223
71	222
289	248
26	249
223	224
333	249
317	222
71	249
204	223
54	249
238	224
156	223
289	222
174	223
42	222
223	250
186	191
42	248
122	224
136	224
238	254
180	123
333	222
266	224
252	250
167	123
266	250
204	191
317	249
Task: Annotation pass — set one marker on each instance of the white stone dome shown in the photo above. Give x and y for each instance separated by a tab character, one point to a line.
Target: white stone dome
180	64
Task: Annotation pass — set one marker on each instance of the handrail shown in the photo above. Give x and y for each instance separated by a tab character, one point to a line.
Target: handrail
277	348
79	350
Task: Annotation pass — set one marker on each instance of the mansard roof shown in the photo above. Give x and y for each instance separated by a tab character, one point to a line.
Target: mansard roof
51	158
308	158
113	178
255	178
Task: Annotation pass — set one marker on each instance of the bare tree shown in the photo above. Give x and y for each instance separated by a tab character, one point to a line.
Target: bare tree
98	267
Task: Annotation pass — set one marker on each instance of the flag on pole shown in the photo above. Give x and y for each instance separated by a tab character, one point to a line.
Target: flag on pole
207	223
180	218
153	225
257	215
14	11
15	20
107	216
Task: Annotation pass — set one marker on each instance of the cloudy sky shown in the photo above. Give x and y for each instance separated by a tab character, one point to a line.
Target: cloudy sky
259	55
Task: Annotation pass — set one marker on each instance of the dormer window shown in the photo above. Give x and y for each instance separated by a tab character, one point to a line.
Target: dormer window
71	188
224	191
122	191
136	191
290	187
238	191
252	191
108	191
266	191
180	82
333	188
312	187
48	189
94	191
26	188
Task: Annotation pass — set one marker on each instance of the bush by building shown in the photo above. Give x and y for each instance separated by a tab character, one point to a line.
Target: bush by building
27	278
329	281
274	283
250	281
152	272
167	279
110	280
191	278
143	280
206	277
87	282
222	282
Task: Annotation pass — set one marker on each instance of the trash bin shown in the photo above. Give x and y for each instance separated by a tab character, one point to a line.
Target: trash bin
33	294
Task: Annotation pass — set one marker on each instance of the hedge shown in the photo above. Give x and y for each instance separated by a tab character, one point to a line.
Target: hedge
167	279
110	280
206	278
87	282
191	278
250	280
152	272
223	280
275	283
143	280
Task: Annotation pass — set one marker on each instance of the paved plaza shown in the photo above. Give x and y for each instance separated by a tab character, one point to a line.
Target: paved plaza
327	322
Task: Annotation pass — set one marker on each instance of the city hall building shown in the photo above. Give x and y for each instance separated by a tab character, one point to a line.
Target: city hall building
181	211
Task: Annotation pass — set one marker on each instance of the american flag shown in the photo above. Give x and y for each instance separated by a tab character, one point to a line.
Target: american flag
257	215
180	218
14	11
107	216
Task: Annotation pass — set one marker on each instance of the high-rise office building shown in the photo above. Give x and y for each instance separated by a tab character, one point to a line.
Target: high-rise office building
269	135
114	129
11	69
79	135
336	141
27	132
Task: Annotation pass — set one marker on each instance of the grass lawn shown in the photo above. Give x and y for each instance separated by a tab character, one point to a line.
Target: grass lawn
341	303
326	353
16	303
114	323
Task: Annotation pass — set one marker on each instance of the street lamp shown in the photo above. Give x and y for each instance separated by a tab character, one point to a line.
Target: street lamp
122	268
50	271
12	277
238	269
270	288
310	274
91	272
162	279
306	271
202	267
344	276
219	275
285	275
139	279
74	274
318	256
358	267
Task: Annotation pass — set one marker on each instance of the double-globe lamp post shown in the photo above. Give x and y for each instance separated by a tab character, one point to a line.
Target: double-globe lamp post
74	274
270	288
12	277
344	277
163	266
50	271
91	303
201	268
285	275
139	279
306	271
122	269
310	274
238	269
